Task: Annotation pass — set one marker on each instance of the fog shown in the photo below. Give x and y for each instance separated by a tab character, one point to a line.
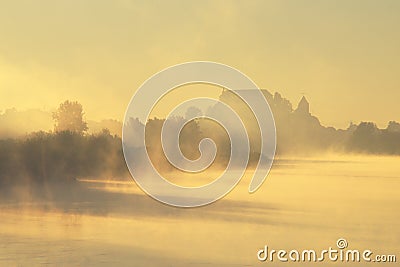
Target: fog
305	203
67	198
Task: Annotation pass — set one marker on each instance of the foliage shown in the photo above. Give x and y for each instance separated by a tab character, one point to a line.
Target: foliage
61	156
69	117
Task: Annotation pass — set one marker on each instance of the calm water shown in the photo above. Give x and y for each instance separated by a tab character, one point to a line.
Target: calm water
304	204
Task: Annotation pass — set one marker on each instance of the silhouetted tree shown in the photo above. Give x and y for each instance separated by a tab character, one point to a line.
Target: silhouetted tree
393	127
69	117
366	138
193	112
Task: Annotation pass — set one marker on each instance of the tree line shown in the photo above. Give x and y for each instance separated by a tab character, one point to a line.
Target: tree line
68	152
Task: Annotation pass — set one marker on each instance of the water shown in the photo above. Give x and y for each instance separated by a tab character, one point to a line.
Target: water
304	204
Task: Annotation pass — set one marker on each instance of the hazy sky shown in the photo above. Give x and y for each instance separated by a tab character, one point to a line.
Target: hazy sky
344	55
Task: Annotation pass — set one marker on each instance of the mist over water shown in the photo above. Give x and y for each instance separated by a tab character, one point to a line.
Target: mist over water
66	197
79	82
305	203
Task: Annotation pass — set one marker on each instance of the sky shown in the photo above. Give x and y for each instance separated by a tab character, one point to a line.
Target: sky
344	56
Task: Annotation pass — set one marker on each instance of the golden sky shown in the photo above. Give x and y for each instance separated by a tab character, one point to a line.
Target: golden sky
344	55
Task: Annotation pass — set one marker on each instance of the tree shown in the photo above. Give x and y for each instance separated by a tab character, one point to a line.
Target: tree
69	117
393	127
192	112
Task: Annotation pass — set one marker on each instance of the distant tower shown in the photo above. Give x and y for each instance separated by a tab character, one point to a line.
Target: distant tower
303	107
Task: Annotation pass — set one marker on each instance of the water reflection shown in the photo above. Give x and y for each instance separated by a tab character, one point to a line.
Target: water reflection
303	204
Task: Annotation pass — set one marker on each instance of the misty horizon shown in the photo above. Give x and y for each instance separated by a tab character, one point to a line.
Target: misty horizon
89	176
13	122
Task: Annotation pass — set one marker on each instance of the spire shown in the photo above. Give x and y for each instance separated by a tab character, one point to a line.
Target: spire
304	106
